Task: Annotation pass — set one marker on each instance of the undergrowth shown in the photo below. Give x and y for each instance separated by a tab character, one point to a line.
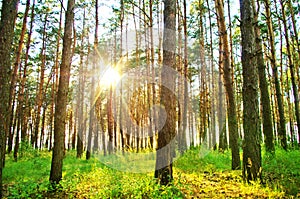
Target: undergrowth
197	174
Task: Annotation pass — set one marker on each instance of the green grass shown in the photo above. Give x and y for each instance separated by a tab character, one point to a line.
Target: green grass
196	174
283	171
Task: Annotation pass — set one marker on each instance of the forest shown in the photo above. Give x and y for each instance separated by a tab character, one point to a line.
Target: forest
149	99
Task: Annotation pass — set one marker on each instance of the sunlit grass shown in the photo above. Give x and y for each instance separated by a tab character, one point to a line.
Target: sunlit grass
195	175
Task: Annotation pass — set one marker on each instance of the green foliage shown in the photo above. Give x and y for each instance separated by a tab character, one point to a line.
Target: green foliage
27	151
282	171
198	173
200	160
29	176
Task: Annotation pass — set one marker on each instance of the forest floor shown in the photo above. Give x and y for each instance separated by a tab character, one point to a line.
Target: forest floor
195	176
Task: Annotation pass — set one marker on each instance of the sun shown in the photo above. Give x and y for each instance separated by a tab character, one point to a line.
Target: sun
110	77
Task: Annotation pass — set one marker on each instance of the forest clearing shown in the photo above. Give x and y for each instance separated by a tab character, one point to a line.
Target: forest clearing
149	99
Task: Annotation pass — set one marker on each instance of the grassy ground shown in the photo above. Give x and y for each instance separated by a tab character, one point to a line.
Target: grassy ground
195	176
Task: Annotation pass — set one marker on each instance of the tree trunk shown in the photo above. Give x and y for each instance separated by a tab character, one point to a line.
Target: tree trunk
291	67
264	91
281	129
110	121
8	18
22	99
13	83
40	90
80	98
92	96
62	95
163	168
251	146
212	83
185	70
228	83
221	118
54	82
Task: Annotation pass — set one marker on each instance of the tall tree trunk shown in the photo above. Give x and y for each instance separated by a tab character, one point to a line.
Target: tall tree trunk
43	127
290	111
296	40
14	79
55	82
122	144
62	95
264	91
291	67
163	168
179	67
185	70
110	121
40	90
8	18
221	118
251	145
22	99
228	83
281	129
212	84
80	98
70	129
92	96
202	78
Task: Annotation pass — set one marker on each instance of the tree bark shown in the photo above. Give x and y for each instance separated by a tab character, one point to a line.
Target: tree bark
80	98
291	67
40	90
228	83
8	18
62	95
55	82
264	91
22	100
251	145
92	94
163	168
19	113
281	129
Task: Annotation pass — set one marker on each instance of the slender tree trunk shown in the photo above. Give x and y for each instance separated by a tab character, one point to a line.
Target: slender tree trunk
92	96
228	82
70	121
221	117
291	67
110	121
151	100
40	90
54	83
180	89
281	129
122	144
264	91
22	99
202	78
80	98
73	140
62	95
290	110
13	83
212	84
296	40
185	69
43	127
